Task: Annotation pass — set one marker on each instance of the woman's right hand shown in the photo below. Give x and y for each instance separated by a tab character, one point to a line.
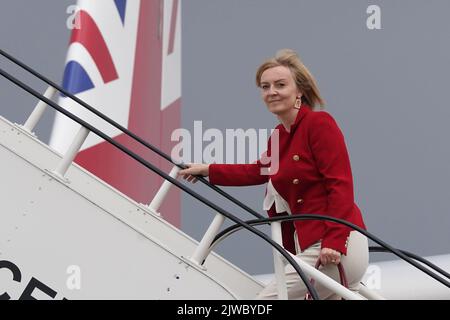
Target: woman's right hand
193	170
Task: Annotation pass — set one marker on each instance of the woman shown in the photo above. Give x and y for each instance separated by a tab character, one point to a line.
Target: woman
313	176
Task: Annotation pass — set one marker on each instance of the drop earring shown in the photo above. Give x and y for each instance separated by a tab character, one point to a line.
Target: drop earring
298	102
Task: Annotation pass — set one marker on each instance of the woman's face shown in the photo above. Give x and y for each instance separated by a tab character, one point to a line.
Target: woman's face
278	89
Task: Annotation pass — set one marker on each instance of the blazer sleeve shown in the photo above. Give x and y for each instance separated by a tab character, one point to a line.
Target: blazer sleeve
332	160
241	174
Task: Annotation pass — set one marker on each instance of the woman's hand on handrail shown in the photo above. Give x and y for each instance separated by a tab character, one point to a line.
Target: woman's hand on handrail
194	170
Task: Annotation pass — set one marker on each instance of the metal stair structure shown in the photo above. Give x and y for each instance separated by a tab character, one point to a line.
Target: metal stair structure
66	234
124	250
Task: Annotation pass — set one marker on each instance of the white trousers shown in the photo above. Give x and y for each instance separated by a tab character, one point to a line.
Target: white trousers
355	264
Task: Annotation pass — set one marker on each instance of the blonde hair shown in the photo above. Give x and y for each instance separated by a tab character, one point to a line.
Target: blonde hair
303	78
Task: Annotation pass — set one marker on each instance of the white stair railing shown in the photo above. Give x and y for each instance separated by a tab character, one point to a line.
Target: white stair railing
38	111
279	262
326	281
158	199
203	248
71	153
370	294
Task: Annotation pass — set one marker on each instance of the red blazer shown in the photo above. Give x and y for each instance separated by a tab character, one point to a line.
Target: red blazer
314	176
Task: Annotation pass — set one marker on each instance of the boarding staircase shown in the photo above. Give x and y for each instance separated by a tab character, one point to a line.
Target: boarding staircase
65	234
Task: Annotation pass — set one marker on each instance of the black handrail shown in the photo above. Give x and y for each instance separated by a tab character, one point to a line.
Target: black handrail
162	174
128	132
415	257
231	229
